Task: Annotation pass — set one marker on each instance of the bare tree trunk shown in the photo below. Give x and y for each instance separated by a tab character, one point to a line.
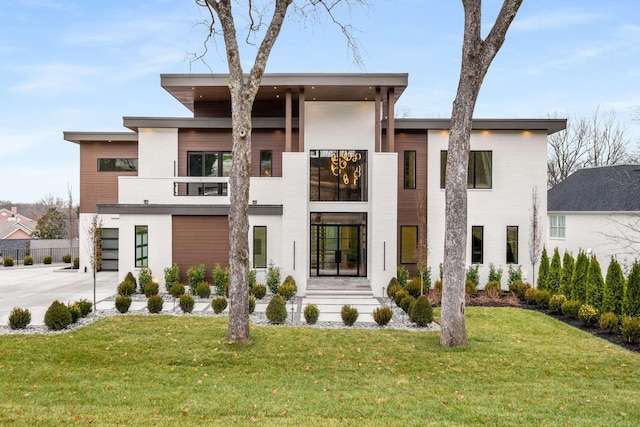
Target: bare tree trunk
477	55
534	231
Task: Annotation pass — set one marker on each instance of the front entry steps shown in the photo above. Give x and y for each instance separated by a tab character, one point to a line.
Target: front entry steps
331	293
339	286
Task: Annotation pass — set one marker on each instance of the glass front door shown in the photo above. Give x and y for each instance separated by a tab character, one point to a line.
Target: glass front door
338	250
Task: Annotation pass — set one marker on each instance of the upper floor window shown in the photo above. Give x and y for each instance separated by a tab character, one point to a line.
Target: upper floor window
338	175
479	172
557	226
209	163
410	169
266	163
117	165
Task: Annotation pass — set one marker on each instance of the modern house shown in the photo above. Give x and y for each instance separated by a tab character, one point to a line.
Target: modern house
336	181
597	210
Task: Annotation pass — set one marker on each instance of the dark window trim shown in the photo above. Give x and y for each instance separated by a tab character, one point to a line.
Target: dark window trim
415	250
143	260
344	172
267	171
126	164
255	265
220	154
517	243
410	176
477	251
471	173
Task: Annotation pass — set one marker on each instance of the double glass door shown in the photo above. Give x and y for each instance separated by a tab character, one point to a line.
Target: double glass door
338	250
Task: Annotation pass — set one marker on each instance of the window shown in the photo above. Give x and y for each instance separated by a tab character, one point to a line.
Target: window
259	247
338	175
512	244
479	170
410	169
142	246
117	165
408	244
557	226
477	237
210	164
266	162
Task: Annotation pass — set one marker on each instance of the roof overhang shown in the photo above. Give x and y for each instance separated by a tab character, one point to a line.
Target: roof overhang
135	123
167	209
549	125
79	137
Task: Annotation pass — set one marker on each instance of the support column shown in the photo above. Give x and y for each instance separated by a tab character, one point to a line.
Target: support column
287	121
378	141
301	120
391	132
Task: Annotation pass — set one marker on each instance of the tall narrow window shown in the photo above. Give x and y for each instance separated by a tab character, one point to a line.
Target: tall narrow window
142	246
479	171
410	169
266	162
408	244
259	246
512	244
477	245
338	175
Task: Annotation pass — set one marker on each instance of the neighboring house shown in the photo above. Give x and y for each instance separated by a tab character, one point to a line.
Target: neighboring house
335	181
15	226
597	210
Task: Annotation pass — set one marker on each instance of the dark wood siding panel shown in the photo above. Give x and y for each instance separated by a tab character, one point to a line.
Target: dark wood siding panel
200	240
101	187
408	198
267	139
260	108
201	140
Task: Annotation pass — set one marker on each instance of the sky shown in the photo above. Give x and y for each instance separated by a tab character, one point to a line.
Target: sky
78	65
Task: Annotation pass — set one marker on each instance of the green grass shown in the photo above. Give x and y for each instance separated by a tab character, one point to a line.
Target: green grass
520	368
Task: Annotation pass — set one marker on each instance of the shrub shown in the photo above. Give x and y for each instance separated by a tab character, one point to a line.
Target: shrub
273	277
290	279
186	302
220	278
567	272
437	286
470	288
151	289
609	322
405	303
392	289
287	290
570	308
555	303
123	302
382	315
85	307
7	261
57	316
392	282
588	315
349	315
131	278
530	295
252	304
27	260
402	275
311	314
473	274
177	290
613	292
251	280
126	288
493	290
414	287
515	273
426	278
495	274
277	310
519	289
259	291
542	299
203	290
75	312
154	304
579	278
226	290
19	318
171	277
595	284
219	304
631	328
145	276
421	312
48	259
552	284
399	296
543	270
76	263
195	275
66	259
631	302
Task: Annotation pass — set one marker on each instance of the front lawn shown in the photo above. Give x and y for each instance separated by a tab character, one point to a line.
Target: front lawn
521	368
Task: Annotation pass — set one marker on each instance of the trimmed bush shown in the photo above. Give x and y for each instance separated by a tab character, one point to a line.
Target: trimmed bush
613	292
554	276
154	304
126	288
473	274
287	290
349	315
414	287
470	288
171	277
195	275
219	304
519	289
76	263
123	302
631	328
495	274
421	312
57	316
399	296
177	290
66	259
570	308
543	270
19	318
514	273
277	310
151	289
588	315
405	303
85	307
27	260
311	314
493	290
47	259
595	284
273	277
631	303
542	299
186	302
259	291
579	278
609	322
251	279
7	261
402	275
530	295
392	282
145	277
567	271
75	312
555	304
203	290
382	315
220	278
131	278
392	289
252	304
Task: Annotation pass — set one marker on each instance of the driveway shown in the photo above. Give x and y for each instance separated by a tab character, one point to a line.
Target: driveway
36	287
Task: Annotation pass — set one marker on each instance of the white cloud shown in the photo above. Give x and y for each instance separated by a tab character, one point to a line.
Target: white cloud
53	78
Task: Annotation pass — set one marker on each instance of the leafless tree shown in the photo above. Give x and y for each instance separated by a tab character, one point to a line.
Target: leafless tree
422	251
72	223
477	55
534	231
598	140
94	249
243	89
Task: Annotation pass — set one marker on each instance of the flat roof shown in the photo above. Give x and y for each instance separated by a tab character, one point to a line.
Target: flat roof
548	125
79	137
